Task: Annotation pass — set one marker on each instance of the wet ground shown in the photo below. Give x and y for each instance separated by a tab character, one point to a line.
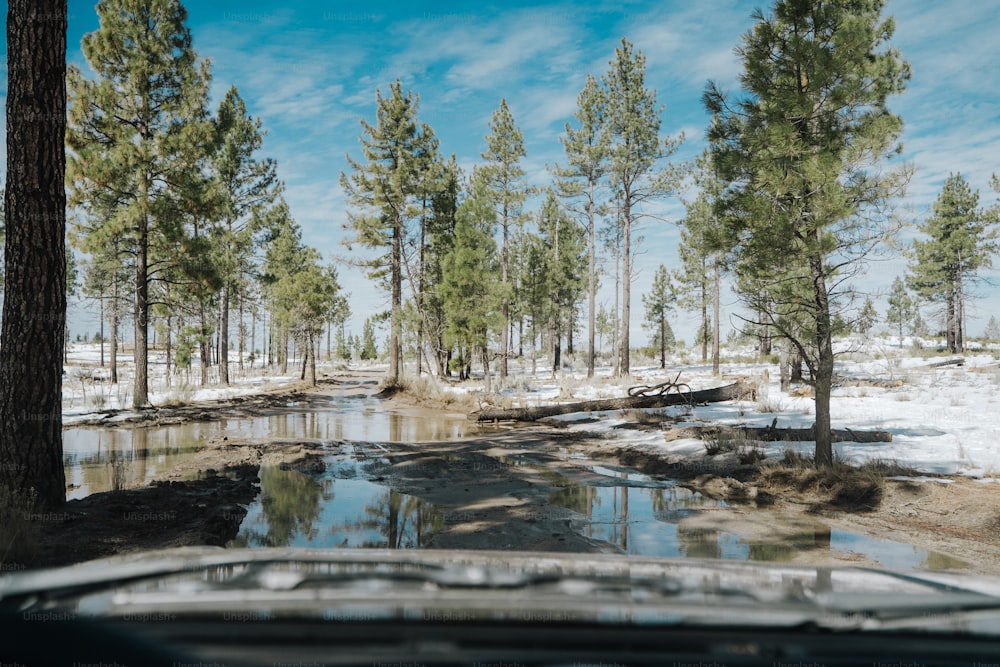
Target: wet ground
337	469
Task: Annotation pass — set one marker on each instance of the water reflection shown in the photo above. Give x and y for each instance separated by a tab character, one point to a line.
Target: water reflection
298	510
290	503
96	459
636	520
647	521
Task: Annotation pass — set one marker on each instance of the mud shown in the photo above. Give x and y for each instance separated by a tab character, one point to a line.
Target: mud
496	492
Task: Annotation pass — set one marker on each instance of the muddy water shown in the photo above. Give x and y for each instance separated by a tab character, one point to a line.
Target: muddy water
352	503
102	459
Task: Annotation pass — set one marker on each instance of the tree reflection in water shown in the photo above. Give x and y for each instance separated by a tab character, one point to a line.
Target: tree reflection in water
291	505
399	521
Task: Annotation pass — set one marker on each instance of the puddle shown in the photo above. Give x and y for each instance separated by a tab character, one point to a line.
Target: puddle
642	516
102	459
341	509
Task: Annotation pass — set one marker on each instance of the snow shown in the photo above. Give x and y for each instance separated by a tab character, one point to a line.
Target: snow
943	421
88	393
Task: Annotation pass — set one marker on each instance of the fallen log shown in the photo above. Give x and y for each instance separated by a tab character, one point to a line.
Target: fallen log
960	361
716	394
775	434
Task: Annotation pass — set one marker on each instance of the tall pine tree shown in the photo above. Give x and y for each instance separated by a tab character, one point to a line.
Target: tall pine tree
246	184
581	181
137	133
504	178
635	155
659	301
385	188
801	150
962	241
902	310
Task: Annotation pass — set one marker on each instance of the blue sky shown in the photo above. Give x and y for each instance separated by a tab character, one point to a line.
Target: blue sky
310	70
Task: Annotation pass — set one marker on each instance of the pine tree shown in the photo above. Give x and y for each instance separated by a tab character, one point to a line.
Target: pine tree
470	287
636	151
137	133
246	184
902	309
587	153
385	189
559	271
801	151
698	280
992	331
440	232
34	305
866	317
962	241
368	349
504	179
659	301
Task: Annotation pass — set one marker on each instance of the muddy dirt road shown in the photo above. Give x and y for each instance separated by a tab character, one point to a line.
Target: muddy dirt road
517	487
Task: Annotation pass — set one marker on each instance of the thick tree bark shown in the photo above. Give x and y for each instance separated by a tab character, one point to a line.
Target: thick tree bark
725	393
34	306
823	380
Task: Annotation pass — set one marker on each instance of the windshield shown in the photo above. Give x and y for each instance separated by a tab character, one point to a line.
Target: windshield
656	281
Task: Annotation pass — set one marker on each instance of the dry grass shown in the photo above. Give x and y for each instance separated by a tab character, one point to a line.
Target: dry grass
426	390
841	485
747	450
647	417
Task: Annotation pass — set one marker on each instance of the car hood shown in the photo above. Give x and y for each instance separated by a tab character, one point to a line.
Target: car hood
472	585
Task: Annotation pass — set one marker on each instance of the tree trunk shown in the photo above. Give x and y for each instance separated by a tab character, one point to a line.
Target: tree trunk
395	363
224	337
486	370
505	300
615	330
113	343
950	339
253	336
102	331
140	391
795	367
775	434
34	305
823	380
704	316
591	285
959	318
314	349
169	350
727	392
205	347
626	286
716	326
663	340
